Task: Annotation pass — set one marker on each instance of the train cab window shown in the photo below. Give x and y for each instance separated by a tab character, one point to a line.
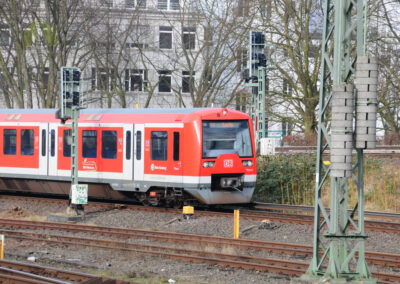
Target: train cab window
176	146
159	145
27	138
52	142
138	145
89	144
109	144
10	142
43	142
67	143
128	145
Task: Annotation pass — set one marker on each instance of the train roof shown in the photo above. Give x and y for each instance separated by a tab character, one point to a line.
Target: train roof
119	115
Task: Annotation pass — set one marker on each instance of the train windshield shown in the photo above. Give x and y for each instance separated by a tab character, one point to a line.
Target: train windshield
226	137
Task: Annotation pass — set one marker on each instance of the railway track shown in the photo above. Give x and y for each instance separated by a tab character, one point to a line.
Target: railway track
379	151
255	215
122	240
21	273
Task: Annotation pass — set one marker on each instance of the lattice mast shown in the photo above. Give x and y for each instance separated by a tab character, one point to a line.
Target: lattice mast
341	247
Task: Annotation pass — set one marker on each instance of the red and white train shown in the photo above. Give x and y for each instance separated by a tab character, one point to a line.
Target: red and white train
159	156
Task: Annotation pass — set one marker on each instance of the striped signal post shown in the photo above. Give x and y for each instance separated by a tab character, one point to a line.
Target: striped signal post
236	214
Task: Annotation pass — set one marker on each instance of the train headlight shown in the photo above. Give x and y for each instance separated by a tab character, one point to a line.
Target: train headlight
208	164
247	163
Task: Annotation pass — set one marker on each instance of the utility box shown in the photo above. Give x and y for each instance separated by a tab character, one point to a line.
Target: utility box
79	194
267	146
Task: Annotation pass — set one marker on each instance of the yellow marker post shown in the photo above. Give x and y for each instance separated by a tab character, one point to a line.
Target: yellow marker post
2	247
236	224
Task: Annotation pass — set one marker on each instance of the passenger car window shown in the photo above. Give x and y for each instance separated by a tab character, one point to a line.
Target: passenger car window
89	144
27	142
43	142
138	145
128	145
52	142
176	146
159	145
109	144
10	141
67	143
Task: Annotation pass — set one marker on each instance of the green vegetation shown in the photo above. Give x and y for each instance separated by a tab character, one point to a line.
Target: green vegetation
290	179
286	179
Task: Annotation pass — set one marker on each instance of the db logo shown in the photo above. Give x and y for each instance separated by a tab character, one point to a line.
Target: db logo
228	163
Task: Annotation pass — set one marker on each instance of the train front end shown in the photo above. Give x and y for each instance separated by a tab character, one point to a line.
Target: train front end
228	159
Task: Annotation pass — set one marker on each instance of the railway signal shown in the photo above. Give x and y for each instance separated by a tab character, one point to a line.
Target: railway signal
256	79
71	102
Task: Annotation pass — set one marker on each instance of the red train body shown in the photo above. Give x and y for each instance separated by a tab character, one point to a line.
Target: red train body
156	155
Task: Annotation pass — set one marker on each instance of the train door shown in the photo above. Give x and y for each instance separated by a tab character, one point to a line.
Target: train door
52	149
128	153
43	165
138	153
177	151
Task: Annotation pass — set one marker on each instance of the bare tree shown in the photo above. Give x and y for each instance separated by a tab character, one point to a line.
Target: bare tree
294	28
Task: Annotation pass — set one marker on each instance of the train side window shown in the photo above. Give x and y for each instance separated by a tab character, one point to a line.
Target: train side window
89	143
159	145
67	143
10	142
43	142
52	142
128	145
176	146
138	145
27	138
109	144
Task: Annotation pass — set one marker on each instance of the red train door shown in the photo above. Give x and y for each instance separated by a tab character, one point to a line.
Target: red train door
177	147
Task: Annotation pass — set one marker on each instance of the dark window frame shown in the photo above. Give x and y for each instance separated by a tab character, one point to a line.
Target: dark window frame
44	142
7	141
87	137
159	146
176	146
128	142
27	147
109	144
138	145
165	37
52	142
164	81
67	152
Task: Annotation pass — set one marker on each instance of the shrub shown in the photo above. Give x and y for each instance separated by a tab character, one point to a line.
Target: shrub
287	179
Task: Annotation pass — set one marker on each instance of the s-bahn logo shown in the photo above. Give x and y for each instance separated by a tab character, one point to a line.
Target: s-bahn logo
228	163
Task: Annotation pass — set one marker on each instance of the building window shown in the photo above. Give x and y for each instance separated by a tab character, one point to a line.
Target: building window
189	38
102	79
135	80
165	37
5	37
106	3
109	144
168	5
89	144
187	82
159	145
27	138
243	8
164	81
67	138
287	88
135	3
140	38
10	141
242	59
